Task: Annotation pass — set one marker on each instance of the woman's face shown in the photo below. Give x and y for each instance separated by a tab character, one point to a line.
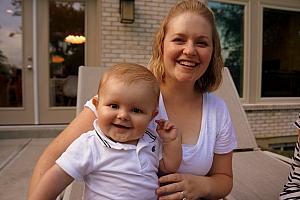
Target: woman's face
187	48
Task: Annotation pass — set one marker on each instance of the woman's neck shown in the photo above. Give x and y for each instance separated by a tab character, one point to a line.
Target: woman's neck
183	105
179	93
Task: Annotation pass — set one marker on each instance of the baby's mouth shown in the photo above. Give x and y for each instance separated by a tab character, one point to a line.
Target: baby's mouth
121	126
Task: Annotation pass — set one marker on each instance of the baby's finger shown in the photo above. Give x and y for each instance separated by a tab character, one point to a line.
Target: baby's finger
160	122
168	125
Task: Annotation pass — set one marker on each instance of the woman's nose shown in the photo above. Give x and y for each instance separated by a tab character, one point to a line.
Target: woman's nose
189	49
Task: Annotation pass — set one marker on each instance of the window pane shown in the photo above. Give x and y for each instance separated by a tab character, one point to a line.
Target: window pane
11	53
66	49
281	53
230	25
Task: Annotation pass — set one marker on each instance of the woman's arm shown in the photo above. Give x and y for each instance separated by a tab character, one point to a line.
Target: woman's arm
81	124
221	176
51	184
217	184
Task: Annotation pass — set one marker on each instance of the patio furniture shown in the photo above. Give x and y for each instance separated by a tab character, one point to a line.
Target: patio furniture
257	175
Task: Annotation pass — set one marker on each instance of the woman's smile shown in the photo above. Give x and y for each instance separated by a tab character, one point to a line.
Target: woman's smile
187	63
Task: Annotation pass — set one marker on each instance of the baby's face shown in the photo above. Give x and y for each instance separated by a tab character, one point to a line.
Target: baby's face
124	111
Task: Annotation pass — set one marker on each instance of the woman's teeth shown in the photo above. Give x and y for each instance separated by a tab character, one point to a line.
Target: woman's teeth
187	63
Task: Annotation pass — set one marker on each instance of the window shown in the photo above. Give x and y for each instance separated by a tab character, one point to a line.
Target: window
230	25
280	59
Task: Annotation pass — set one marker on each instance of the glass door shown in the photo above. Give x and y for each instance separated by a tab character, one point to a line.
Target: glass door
61	52
16	69
62	47
42	44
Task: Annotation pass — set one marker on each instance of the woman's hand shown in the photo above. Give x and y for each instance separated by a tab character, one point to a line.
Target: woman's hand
181	186
215	185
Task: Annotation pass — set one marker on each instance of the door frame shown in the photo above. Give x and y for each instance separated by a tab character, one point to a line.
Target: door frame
24	114
58	115
35	39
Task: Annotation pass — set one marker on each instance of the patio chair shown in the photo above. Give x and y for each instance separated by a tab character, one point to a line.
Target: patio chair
257	175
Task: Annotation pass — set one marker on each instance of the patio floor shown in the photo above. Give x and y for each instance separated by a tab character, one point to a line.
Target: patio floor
17	159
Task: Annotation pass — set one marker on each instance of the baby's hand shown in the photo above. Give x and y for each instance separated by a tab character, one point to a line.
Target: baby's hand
166	130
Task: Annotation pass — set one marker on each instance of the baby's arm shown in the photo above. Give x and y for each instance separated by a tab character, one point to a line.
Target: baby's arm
172	151
52	184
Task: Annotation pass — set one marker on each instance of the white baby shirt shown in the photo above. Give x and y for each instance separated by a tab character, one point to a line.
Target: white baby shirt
113	170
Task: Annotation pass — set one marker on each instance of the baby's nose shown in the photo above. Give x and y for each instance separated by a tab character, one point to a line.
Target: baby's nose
123	115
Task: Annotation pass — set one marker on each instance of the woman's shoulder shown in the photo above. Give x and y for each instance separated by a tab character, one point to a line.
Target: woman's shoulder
215	107
215	101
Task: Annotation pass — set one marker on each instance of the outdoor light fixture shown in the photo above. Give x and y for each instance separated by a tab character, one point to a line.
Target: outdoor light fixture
127	11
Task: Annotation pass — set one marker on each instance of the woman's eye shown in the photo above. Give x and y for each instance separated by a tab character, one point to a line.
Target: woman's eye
114	106
137	110
178	40
202	43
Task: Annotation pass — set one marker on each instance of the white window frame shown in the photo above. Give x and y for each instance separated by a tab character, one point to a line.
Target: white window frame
253	33
286	5
246	60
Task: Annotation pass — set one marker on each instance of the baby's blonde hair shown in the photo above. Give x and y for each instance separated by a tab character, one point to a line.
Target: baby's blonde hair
130	73
212	78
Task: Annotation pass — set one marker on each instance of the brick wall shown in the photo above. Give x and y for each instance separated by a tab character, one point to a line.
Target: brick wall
130	42
272	121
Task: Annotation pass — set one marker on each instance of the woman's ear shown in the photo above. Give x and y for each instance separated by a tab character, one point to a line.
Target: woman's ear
95	101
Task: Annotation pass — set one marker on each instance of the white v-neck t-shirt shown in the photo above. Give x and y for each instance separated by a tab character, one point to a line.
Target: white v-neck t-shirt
217	135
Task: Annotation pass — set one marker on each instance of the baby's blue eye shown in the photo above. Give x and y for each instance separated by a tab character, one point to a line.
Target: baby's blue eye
114	106
137	110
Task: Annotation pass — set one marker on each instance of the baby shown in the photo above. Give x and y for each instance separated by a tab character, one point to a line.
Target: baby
120	158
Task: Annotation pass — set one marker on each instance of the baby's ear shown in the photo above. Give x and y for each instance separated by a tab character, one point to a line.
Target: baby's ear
95	101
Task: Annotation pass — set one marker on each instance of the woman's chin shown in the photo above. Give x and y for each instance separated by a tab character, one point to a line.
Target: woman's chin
184	78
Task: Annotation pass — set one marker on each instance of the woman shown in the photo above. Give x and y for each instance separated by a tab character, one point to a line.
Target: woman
187	61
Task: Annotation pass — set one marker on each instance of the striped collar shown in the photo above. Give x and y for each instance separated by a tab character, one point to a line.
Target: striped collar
148	138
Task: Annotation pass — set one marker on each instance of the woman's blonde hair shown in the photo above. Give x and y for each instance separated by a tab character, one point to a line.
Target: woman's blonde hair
212	78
